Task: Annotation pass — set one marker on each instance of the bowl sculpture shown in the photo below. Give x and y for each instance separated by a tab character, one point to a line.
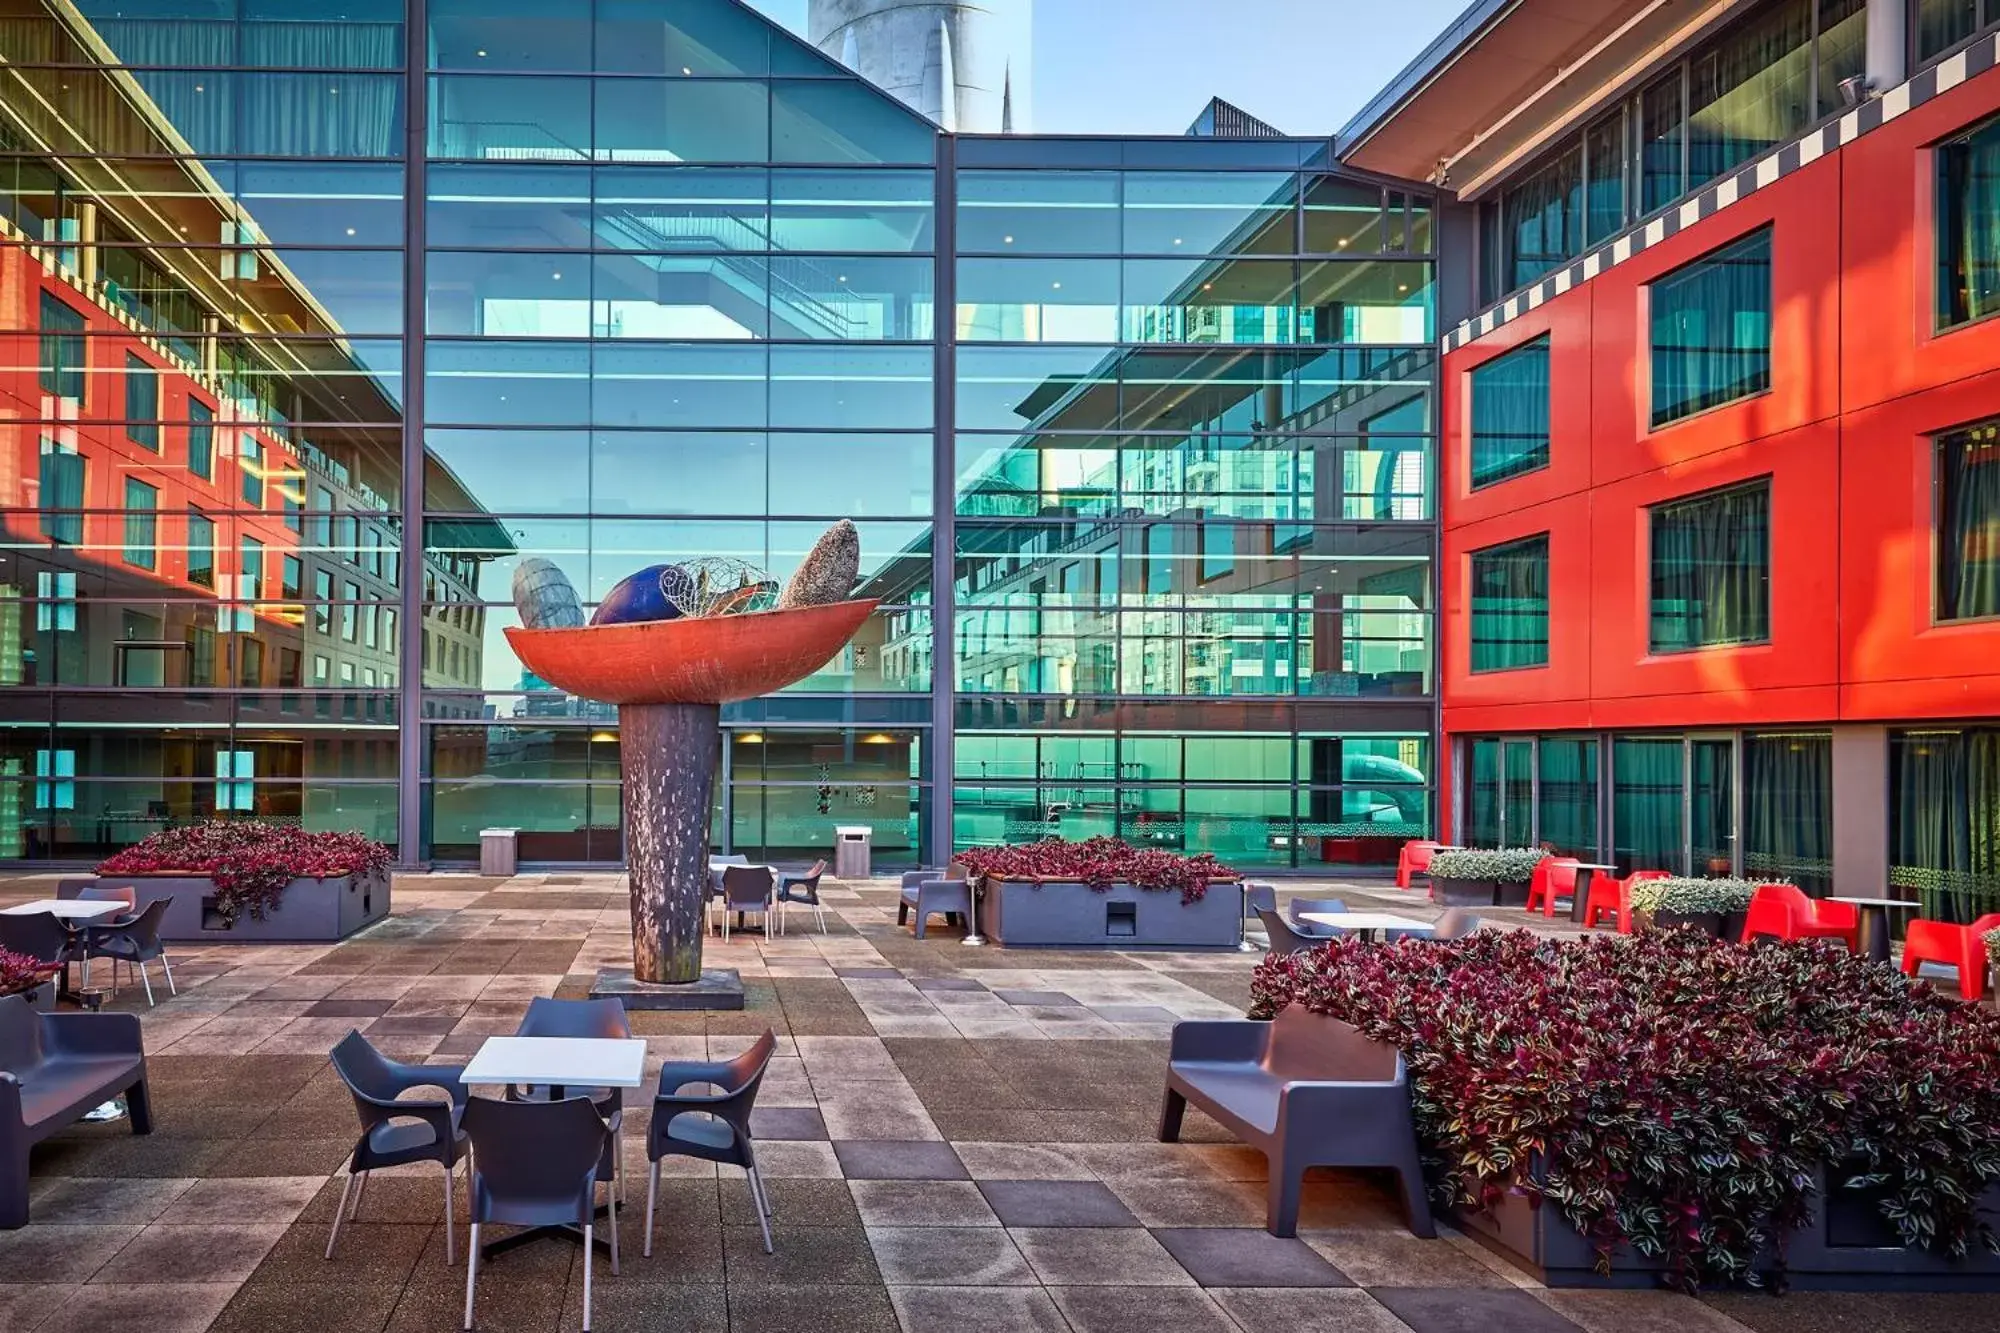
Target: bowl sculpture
709	660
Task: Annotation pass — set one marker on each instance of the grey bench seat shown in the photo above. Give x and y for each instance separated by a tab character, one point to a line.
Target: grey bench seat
53	1068
1305	1090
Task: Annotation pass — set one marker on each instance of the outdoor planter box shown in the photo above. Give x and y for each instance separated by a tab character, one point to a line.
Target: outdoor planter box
312	911
1448	892
1025	914
41	999
1845	1247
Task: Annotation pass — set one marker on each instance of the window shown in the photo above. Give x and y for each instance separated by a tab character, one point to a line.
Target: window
322	669
294	578
201	549
349	613
250	457
250	664
200	655
1944	803
1711	570
63	356
1788	810
1942	25
1541	219
322	602
1566	795
142	524
200	439
1510	414
1750	90
1843	49
1968	523
1968	222
62	492
142	403
1218	550
1712	330
251	555
1510	605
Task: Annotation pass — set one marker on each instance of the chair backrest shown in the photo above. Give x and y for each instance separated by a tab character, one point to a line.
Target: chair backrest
1455	924
1301	905
1306	1045
746	886
144	929
366	1073
574	1018
1419	854
1790	895
1283	938
1259	898
744	1072
1980	927
20	1035
535	1162
101	893
1558	873
38	935
815	870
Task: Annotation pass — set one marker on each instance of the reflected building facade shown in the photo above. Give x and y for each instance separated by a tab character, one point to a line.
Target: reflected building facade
319	325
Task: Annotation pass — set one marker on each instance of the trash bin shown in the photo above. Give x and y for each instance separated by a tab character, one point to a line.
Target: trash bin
497	851
853	851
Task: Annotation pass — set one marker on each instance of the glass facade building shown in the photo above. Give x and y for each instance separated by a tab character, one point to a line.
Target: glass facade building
320	325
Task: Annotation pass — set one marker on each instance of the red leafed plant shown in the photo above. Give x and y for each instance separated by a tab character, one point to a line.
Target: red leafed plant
250	863
1098	863
1673	1093
21	973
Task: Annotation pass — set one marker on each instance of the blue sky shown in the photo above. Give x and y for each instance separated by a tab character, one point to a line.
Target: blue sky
1147	66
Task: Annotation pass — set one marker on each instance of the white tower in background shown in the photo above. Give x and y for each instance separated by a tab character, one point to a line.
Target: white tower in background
968	66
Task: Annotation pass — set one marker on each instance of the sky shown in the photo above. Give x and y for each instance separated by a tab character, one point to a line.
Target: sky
1148	66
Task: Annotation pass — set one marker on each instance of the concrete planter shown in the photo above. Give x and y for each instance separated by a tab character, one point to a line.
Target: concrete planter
42	999
1448	892
1022	914
1845	1247
312	911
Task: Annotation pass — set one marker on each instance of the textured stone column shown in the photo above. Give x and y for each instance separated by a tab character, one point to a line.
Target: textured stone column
670	754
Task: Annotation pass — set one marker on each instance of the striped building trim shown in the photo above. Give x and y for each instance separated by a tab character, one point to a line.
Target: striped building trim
1752	176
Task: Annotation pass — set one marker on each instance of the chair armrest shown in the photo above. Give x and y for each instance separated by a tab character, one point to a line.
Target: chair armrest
678	1074
1318	1099
1219	1039
94	1034
446	1078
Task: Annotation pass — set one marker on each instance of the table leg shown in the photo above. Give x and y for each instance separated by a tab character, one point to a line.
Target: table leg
1581	897
601	1244
1875	933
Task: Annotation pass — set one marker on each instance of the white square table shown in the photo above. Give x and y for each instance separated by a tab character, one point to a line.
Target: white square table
1366	924
558	1063
69	909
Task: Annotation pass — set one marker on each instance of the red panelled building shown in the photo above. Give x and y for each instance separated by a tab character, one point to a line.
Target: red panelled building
1719	451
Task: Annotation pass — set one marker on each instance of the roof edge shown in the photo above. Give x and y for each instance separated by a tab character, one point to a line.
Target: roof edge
1458	35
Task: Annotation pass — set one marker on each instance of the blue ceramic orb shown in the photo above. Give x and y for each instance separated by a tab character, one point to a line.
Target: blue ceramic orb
639	597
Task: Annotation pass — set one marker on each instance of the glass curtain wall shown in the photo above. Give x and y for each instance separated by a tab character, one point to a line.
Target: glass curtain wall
1193	458
1566	795
1944	819
1788	808
1711	330
1941	26
1647	804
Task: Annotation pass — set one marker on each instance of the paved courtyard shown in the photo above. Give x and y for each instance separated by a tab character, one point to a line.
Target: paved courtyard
957	1139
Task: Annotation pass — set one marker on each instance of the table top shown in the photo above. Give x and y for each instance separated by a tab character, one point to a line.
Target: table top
1878	902
79	909
595	1062
1594	865
1364	920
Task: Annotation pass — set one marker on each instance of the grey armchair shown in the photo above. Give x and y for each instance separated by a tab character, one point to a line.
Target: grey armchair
1284	939
53	1068
535	1165
135	942
397	1130
1305	1090
1298	906
548	1017
710	1127
746	889
804	890
932	893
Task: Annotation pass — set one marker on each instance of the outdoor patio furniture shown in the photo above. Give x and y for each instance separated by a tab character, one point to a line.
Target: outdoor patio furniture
1297	907
134	942
40	935
1554	877
746	889
1784	912
100	893
1415	859
1284	939
803	889
1305	1090
951	898
709	1127
535	1165
1256	897
548	1017
1455	924
54	1068
397	1130
1613	897
1962	948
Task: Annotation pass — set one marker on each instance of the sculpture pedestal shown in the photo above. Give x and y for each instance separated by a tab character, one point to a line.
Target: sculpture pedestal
717	988
670	753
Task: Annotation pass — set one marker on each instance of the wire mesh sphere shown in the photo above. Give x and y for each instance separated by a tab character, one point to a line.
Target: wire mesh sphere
718	585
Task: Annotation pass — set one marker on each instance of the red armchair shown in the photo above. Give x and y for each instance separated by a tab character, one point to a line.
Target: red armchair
1961	947
1415	859
1611	895
1554	878
1784	912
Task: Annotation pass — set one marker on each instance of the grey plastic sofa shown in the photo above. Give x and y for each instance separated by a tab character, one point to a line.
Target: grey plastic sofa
932	893
1305	1090
53	1068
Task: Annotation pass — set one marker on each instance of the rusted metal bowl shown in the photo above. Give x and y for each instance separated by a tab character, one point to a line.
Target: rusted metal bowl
711	660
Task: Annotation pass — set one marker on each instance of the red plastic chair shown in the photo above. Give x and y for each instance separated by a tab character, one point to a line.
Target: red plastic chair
1554	877
1960	947
1613	896
1415	859
1784	912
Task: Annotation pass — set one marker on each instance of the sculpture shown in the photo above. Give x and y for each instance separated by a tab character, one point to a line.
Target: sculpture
669	678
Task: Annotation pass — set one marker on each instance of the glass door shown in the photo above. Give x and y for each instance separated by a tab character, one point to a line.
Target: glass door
1647	804
1711	792
1517	793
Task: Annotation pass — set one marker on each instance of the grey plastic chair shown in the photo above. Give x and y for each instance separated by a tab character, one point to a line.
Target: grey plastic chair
1313	929
804	889
932	893
604	1019
1455	924
54	1068
1305	1090
534	1164
679	1129
746	889
1285	940
135	942
98	893
39	935
397	1130
1256	897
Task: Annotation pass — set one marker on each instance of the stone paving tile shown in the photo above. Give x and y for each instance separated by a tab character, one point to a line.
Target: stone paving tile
42	1254
921	1203
1099	1257
1056	1203
1470	1310
888	1160
770	1308
949	1309
166	1307
1239	1257
949	1257
1398	1259
1670	1312
168	1254
1306	1310
1106	1309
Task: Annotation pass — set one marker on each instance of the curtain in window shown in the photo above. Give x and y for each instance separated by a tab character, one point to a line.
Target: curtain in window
1510	606
1968	544
1712	330
1711	562
1944	820
1568	797
62	493
1604	179
1542	219
1482	806
1517	792
1969	227
1750	91
1510	414
1662	130
1843	48
1943	24
1788	809
63	355
1646	805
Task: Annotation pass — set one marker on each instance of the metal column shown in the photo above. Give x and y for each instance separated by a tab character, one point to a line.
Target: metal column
412	842
944	500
